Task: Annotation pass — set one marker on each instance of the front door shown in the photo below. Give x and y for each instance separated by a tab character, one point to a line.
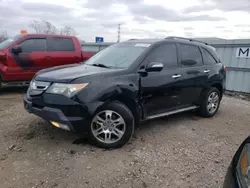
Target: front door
160	90
32	57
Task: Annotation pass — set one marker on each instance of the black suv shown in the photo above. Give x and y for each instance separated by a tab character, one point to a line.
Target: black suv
127	83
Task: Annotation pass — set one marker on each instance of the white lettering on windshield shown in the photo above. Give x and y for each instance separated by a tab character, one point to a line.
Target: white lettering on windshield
142	45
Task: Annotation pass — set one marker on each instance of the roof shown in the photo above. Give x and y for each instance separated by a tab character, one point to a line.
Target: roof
172	38
145	40
48	35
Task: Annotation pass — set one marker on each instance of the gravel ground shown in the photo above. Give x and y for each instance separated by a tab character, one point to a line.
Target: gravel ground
179	151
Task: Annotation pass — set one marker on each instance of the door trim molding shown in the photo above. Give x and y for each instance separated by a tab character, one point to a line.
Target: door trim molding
172	112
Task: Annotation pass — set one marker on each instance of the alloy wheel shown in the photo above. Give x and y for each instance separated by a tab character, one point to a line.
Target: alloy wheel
108	126
213	102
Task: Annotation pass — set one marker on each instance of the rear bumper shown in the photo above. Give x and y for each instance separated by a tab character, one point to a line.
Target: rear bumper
57	115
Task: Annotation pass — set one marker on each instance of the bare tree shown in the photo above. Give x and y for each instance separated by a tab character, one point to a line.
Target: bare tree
43	27
68	30
37	26
3	35
48	28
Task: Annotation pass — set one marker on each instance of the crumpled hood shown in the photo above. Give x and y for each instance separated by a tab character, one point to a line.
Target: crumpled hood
68	73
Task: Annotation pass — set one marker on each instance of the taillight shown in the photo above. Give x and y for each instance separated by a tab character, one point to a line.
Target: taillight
225	68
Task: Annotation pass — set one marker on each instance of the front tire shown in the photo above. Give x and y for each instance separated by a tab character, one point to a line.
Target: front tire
210	103
112	126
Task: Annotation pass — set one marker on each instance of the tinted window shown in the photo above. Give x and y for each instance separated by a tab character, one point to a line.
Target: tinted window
90	48
207	57
34	45
165	54
190	55
60	44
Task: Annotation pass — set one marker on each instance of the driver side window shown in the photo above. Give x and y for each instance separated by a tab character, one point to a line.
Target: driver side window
165	54
34	45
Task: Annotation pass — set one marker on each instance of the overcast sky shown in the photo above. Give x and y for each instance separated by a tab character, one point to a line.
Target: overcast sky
139	18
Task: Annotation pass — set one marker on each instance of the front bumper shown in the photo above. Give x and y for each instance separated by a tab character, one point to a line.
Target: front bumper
60	111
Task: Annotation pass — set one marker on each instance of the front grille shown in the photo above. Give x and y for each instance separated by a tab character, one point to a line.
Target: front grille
38	87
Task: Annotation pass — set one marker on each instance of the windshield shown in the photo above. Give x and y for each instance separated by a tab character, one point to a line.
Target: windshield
8	41
120	55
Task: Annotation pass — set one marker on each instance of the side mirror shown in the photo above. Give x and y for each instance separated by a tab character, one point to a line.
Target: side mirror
238	173
154	67
16	49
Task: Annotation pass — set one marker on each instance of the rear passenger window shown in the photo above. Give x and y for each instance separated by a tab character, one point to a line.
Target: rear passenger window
90	48
190	55
33	45
207	57
57	44
165	54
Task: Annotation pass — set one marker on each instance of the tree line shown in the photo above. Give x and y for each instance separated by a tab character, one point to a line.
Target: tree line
44	27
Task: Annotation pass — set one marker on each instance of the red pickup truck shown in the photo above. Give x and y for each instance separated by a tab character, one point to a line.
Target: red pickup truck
23	55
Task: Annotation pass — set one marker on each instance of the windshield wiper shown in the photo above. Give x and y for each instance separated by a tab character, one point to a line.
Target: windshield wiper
100	65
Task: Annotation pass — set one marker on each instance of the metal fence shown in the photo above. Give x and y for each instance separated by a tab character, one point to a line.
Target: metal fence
95	47
235	54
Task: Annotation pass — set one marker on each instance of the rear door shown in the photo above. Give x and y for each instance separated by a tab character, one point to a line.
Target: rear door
61	51
192	74
32	57
209	63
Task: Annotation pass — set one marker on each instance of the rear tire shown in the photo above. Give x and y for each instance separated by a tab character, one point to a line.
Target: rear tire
210	103
112	126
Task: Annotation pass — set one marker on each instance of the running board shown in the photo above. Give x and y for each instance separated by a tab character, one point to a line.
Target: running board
172	112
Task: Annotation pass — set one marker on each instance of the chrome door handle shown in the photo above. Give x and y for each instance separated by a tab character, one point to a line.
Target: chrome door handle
176	76
206	71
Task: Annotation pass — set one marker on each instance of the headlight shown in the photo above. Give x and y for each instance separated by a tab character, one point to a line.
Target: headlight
68	90
243	167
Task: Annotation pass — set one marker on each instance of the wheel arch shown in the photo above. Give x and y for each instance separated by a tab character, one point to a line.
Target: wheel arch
131	103
128	101
219	87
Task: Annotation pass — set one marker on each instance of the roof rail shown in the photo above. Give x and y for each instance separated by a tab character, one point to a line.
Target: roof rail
183	38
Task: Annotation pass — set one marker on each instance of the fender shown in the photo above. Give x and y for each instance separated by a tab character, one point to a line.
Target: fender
102	92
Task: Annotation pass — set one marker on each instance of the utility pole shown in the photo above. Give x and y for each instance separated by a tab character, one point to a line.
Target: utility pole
119	33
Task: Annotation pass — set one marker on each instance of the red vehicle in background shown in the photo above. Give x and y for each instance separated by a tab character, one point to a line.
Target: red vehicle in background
22	56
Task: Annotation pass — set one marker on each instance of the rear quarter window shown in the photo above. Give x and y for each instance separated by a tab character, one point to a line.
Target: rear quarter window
57	44
90	48
207	57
